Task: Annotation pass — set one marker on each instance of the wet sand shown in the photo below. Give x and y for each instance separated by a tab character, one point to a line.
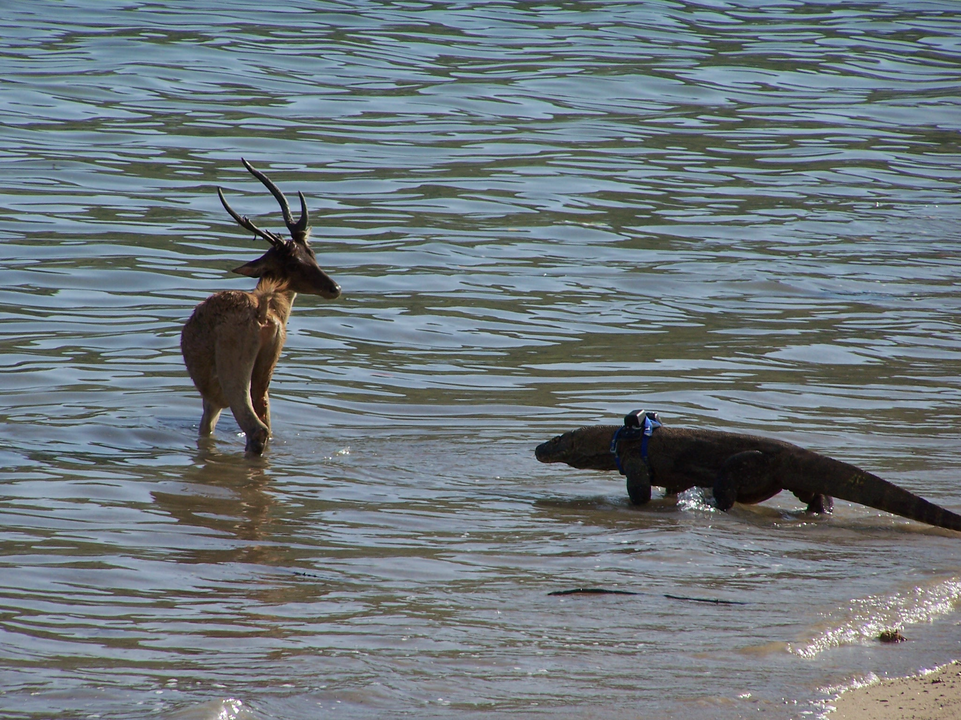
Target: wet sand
935	695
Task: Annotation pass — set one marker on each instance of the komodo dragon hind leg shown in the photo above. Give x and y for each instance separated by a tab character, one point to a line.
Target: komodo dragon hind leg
746	477
816	503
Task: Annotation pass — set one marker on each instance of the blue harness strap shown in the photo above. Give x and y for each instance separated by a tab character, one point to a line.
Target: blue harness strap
636	424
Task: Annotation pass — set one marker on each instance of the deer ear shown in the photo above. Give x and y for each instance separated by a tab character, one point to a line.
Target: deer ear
254	269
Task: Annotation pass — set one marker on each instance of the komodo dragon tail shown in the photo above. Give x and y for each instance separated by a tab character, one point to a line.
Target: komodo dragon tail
868	489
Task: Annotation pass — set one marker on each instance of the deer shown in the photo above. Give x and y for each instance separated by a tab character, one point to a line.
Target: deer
232	341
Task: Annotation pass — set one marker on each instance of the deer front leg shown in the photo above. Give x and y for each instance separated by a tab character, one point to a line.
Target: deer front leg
259	383
210	417
272	337
236	353
261	403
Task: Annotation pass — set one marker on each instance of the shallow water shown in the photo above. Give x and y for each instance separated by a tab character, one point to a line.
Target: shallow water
740	215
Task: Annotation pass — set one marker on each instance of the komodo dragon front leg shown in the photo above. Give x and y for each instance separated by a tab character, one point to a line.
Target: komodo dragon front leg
638	479
750	477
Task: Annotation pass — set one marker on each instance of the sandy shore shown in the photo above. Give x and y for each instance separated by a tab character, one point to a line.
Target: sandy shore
932	696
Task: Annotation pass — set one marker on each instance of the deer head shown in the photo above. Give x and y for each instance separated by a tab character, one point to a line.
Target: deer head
290	261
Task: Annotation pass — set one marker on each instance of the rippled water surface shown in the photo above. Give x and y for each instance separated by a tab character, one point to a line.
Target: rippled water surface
743	215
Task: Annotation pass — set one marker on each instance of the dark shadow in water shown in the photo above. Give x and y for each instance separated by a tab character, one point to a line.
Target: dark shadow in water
613	511
667	512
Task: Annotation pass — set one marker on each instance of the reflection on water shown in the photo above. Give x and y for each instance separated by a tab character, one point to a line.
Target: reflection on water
541	216
226	494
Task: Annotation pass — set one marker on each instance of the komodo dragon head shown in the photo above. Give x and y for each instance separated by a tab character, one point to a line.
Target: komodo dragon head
586	448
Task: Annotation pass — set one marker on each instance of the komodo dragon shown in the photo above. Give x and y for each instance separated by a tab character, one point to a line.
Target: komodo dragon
738	468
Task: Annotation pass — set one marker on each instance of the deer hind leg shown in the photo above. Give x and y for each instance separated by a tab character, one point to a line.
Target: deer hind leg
237	351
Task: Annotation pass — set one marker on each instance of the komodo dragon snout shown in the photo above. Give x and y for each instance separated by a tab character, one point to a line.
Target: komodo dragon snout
588	448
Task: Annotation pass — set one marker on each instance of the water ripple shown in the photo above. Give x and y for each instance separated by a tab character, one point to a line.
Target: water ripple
742	215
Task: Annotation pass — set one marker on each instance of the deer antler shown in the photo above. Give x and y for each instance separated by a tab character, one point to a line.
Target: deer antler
245	223
298	230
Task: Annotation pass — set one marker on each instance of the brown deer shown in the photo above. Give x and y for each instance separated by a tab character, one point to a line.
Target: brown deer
233	340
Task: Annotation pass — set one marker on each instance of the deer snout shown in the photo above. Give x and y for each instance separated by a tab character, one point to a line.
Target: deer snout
317	282
314	281
332	292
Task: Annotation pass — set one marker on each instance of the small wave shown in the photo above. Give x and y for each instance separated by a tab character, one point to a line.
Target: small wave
867	617
343	452
226	709
860	682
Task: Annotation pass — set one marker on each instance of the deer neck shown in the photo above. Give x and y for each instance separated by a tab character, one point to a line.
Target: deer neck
275	297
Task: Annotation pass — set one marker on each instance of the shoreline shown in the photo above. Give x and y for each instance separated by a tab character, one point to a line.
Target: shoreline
929	695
